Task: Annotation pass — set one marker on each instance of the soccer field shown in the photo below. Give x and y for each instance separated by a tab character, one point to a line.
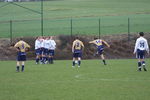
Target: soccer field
119	80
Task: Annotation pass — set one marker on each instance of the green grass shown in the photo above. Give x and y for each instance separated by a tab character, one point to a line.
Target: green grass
119	80
85	15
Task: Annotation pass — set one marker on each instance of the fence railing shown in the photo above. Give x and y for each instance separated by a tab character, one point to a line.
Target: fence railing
72	26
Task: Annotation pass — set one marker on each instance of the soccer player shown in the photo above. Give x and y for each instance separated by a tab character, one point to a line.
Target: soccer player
42	50
52	50
46	51
77	48
38	49
21	48
100	47
141	46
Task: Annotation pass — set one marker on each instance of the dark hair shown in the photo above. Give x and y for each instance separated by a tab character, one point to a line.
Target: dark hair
141	33
95	38
21	38
77	37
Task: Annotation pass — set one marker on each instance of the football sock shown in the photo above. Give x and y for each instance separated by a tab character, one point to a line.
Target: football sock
73	63
52	60
139	66
79	62
104	62
143	62
49	60
22	68
37	60
17	68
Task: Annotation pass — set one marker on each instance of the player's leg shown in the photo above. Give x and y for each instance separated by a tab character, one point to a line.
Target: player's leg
142	56
73	62
79	61
18	65
143	64
22	64
139	65
37	56
103	59
52	56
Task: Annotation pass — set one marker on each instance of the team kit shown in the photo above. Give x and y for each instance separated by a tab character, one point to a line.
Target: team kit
45	51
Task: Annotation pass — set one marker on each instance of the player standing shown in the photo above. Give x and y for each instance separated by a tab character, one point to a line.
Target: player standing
100	47
51	50
21	48
38	49
141	46
77	48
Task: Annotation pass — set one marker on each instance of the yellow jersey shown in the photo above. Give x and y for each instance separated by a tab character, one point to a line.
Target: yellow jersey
77	45
21	45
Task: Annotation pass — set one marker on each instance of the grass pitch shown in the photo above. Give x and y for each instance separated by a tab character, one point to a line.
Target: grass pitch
119	80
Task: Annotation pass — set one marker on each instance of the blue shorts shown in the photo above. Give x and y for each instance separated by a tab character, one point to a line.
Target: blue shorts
140	54
100	49
77	53
38	52
51	52
46	52
21	56
42	51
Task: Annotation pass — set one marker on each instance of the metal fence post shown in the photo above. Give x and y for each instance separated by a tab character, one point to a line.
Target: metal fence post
71	27
99	28
10	31
128	29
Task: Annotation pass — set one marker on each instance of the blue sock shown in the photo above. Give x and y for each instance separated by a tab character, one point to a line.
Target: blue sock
49	60
143	62
73	63
17	68
37	60
139	64
52	60
22	68
79	62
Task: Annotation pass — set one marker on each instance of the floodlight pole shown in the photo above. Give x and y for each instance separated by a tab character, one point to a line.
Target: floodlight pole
42	17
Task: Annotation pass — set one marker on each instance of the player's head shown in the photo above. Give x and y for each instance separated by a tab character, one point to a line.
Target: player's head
21	39
141	33
76	37
51	37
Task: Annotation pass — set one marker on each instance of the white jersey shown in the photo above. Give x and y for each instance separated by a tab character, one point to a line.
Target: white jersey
42	43
47	44
37	44
52	44
141	44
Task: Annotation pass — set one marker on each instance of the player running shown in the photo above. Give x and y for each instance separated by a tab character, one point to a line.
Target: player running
141	46
21	48
77	48
100	47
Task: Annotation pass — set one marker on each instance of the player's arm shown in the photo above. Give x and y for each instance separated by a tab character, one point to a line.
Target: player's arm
135	48
27	47
147	48
73	46
92	41
82	45
17	46
106	43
